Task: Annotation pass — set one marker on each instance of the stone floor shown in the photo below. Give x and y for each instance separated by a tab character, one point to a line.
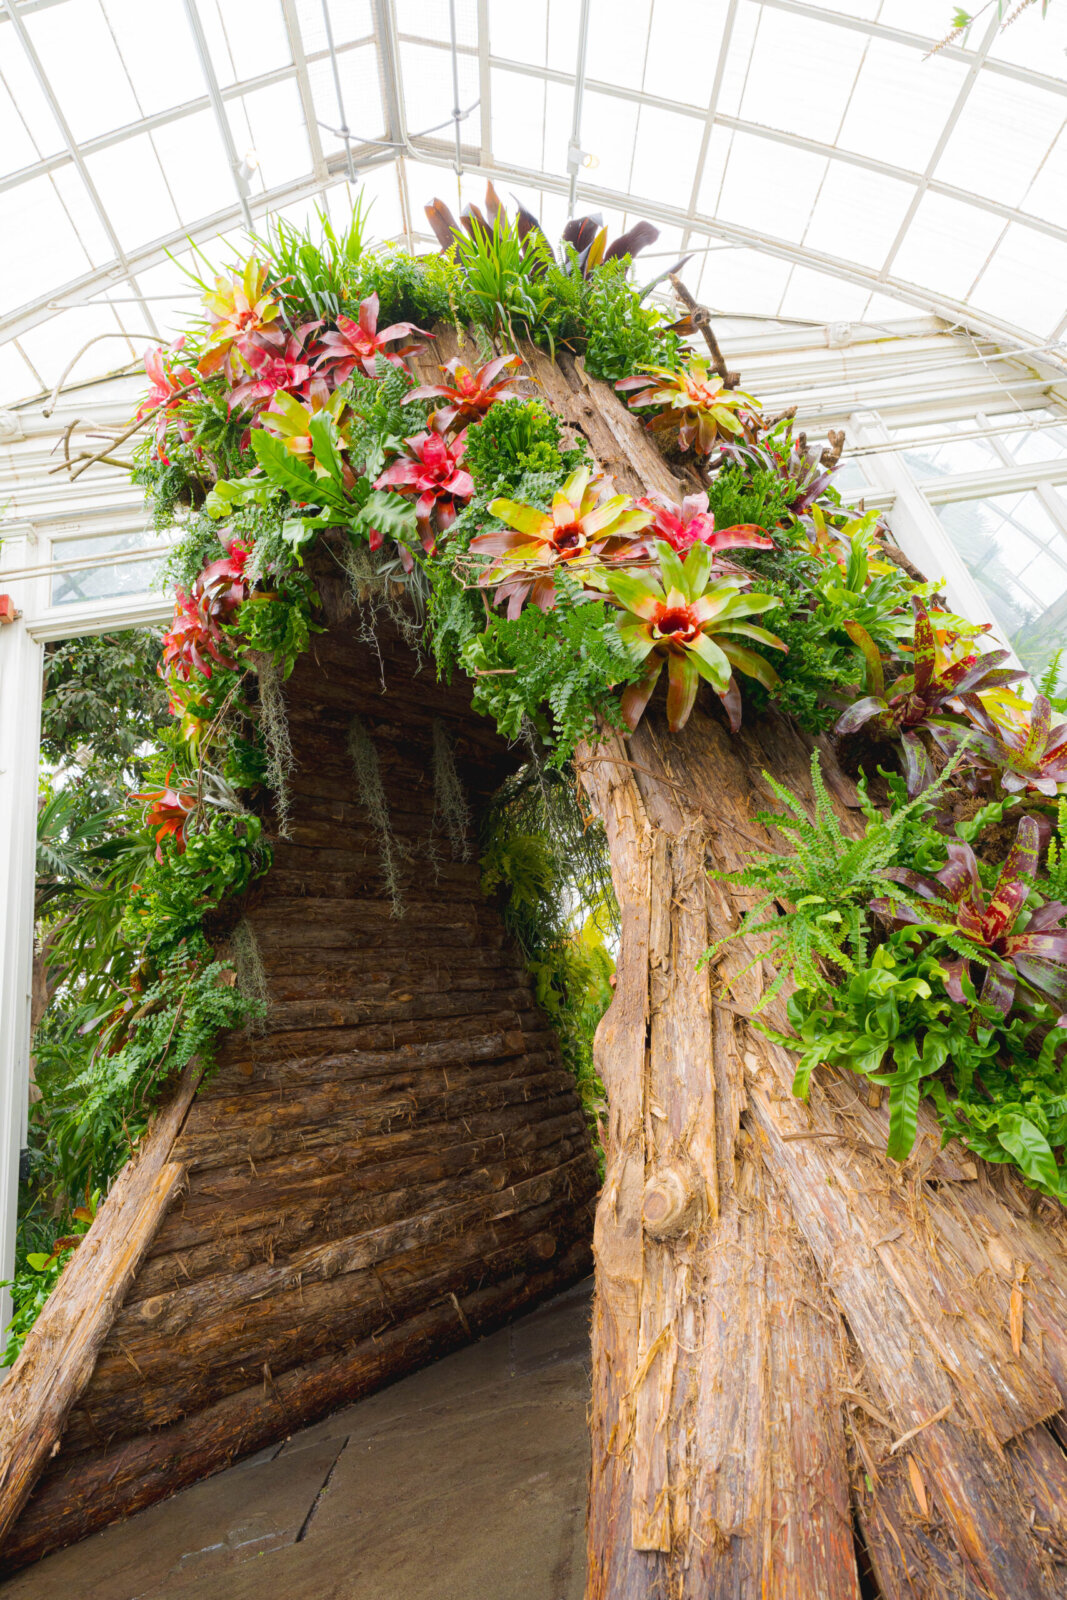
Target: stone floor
464	1482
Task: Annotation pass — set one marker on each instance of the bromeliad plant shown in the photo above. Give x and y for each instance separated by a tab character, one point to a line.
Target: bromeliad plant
584	527
690	624
1035	758
470	394
430	472
683	526
926	703
359	344
694	401
1012	941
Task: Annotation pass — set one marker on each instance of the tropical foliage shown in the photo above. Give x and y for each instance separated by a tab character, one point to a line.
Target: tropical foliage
287	417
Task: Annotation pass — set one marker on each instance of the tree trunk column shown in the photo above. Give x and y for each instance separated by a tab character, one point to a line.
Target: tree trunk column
712	1469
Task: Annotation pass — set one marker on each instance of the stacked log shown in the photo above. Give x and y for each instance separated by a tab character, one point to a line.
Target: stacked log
395	1164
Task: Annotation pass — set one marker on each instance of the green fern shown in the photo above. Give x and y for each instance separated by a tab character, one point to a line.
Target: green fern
813	901
1054	884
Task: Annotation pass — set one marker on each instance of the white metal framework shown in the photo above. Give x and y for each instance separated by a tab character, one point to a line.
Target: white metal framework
820	161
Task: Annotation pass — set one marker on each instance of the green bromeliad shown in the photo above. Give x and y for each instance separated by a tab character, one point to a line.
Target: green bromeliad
693	626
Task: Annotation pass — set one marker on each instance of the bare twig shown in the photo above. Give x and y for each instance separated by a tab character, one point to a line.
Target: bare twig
699	321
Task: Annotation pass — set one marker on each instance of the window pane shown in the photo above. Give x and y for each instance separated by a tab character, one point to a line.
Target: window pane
108	581
932	455
1018	557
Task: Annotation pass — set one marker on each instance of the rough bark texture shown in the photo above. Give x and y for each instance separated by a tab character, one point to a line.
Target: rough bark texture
808	1303
397	1163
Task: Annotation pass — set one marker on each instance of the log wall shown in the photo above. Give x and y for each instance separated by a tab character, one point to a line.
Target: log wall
394	1165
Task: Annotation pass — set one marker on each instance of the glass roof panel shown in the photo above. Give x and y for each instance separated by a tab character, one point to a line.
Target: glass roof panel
665	156
34	211
518	118
994	150
1047	195
17	149
793	82
947	245
132	188
858	214
781	96
519	33
69	37
1029	269
897	88
618	31
678	73
349	19
245	37
157	50
193	157
768	187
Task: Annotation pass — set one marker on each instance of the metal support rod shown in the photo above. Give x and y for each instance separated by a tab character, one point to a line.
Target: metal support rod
457	115
574	151
219	108
344	130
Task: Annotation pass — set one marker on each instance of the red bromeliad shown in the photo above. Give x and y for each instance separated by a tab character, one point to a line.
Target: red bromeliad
1033	759
359	344
922	701
169	387
273	361
431	473
195	638
470	393
694	400
953	904
581	529
168	812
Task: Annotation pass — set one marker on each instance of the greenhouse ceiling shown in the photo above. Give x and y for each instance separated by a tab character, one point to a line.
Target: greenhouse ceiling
820	163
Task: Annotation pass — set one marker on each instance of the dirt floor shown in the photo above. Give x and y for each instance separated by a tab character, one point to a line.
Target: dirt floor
464	1482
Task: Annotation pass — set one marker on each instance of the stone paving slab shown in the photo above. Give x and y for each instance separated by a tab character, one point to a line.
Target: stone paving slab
466	1481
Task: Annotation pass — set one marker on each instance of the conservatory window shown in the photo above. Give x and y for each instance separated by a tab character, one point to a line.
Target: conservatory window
106	578
1015	548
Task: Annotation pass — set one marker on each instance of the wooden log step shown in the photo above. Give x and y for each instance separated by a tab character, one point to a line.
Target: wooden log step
207	1148
499	1047
226	1199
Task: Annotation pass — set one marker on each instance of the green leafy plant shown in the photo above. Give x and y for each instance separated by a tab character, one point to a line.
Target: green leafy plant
691	626
811	916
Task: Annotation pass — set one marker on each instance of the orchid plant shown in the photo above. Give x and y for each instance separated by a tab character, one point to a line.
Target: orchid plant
692	626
